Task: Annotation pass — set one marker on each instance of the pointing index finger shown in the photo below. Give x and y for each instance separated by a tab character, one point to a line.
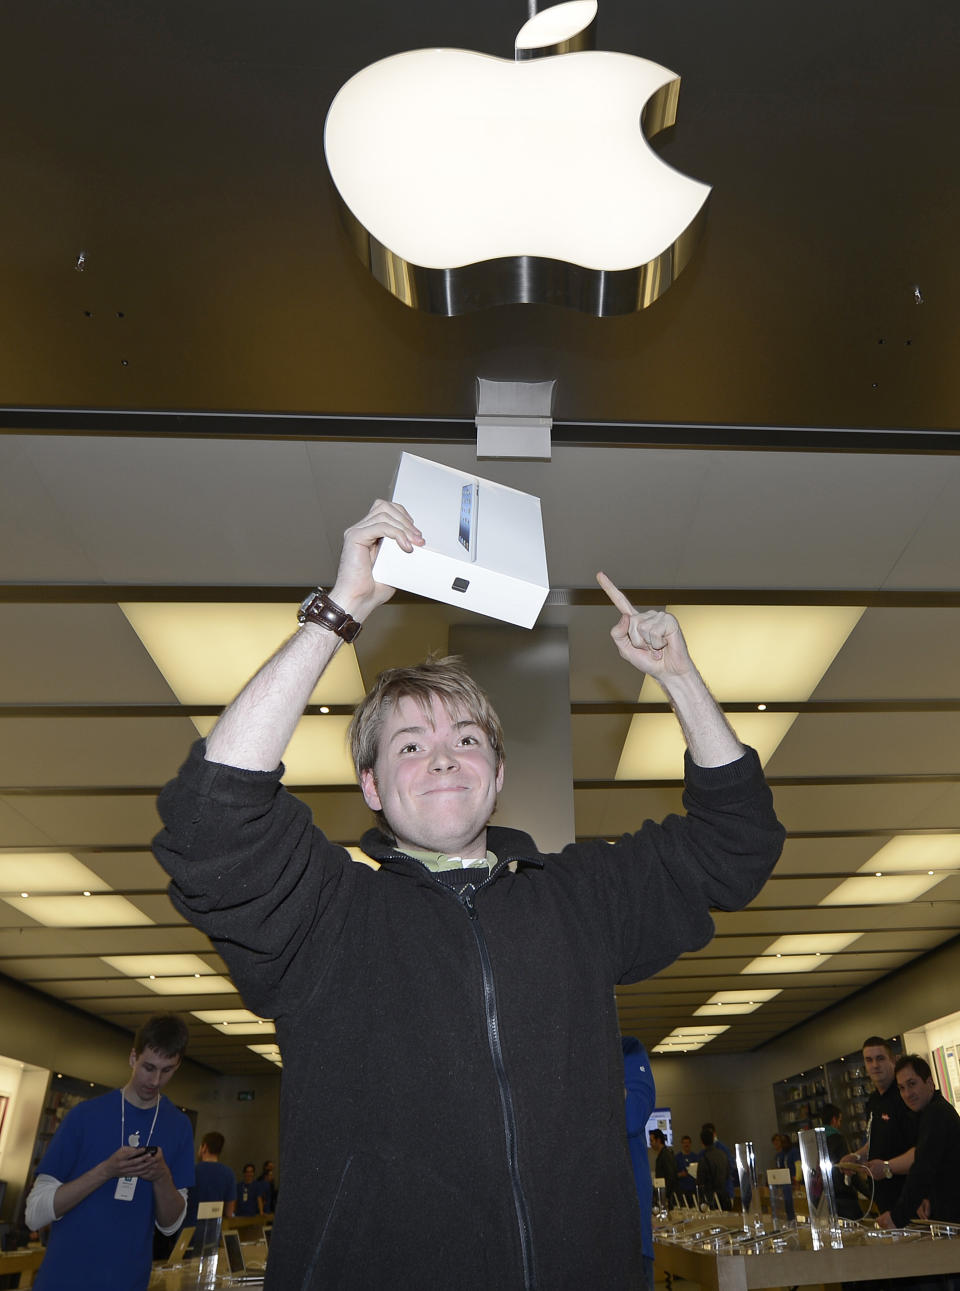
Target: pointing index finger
620	602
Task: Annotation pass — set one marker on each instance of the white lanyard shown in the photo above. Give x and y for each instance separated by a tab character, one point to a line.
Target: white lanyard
136	1133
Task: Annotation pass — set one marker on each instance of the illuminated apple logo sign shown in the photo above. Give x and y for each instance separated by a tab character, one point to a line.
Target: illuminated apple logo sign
467	181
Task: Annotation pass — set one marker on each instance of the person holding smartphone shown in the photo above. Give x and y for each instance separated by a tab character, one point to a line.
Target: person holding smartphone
118	1165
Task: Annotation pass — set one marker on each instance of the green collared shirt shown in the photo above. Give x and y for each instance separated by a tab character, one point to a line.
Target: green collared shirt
441	861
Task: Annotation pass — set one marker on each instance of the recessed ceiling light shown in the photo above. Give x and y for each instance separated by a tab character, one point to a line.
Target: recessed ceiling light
761	708
207	652
882	889
47	872
80	912
913	852
158	965
773	965
809	943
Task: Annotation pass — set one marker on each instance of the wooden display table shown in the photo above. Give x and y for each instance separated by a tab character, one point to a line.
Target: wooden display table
877	1259
25	1263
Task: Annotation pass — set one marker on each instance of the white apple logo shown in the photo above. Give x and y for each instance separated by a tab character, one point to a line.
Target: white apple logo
468	180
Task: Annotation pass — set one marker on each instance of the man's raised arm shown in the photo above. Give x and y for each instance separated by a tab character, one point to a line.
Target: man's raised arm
255	730
653	643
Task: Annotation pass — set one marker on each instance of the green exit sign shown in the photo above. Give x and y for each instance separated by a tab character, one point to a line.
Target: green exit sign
246	1095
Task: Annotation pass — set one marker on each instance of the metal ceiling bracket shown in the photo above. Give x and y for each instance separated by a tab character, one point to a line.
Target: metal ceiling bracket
514	419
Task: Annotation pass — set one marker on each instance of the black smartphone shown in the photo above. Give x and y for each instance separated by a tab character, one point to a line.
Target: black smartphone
149	1151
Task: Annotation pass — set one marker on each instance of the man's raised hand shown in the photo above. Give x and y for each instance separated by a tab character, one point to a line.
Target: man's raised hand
355	590
651	640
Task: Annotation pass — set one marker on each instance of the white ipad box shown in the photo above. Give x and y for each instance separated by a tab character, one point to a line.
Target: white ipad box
484	543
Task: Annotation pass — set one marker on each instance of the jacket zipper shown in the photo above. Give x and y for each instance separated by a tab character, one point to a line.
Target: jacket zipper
465	897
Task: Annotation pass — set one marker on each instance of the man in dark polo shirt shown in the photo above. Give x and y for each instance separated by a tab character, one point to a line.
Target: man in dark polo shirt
932	1188
892	1128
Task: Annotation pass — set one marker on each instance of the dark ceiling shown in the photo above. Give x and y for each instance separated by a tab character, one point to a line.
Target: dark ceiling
179	147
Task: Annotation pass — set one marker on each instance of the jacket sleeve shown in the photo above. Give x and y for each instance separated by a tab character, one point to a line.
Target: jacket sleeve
659	885
932	1160
249	868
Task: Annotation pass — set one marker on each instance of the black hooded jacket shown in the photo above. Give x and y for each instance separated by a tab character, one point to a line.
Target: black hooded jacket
452	1104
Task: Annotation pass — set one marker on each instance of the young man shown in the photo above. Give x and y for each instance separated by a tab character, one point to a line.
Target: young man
686	1179
666	1165
452	1105
932	1187
892	1127
713	1174
214	1182
118	1165
249	1192
848	1205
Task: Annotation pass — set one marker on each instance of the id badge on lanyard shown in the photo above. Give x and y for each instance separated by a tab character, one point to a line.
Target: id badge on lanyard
125	1188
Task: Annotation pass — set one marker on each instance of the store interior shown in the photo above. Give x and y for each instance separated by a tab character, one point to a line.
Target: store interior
201	387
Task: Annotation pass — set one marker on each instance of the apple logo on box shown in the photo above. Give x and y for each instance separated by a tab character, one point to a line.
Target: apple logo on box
467	181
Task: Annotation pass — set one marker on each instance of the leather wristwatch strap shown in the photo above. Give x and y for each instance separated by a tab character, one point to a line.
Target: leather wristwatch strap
318	608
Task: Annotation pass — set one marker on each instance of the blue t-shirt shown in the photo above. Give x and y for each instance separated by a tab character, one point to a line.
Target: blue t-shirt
104	1244
641	1097
247	1194
214	1182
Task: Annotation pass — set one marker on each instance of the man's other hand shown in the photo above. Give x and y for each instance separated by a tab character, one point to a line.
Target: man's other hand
650	640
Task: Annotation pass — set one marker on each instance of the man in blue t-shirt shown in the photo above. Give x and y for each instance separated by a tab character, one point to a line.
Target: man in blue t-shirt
103	1200
214	1182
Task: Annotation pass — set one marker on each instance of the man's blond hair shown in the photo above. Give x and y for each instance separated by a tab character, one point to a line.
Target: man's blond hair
445	679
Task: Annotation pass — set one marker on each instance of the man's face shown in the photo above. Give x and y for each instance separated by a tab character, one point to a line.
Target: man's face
914	1091
151	1071
248	1173
686	1144
436	779
879	1066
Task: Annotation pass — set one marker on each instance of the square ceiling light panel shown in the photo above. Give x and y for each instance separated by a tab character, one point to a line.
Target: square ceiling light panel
773	965
882	889
81	912
192	985
208	652
734	1003
915	853
236	1021
747	653
158	965
800	952
654	746
761	653
36	872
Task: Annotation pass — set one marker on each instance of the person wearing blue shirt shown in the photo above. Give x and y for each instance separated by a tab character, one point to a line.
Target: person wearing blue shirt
214	1182
686	1182
103	1200
250	1199
641	1097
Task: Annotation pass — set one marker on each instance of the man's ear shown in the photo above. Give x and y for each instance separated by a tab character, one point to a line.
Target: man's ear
133	1057
500	776
368	786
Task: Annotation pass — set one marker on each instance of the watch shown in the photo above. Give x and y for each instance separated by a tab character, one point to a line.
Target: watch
318	608
887	1172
